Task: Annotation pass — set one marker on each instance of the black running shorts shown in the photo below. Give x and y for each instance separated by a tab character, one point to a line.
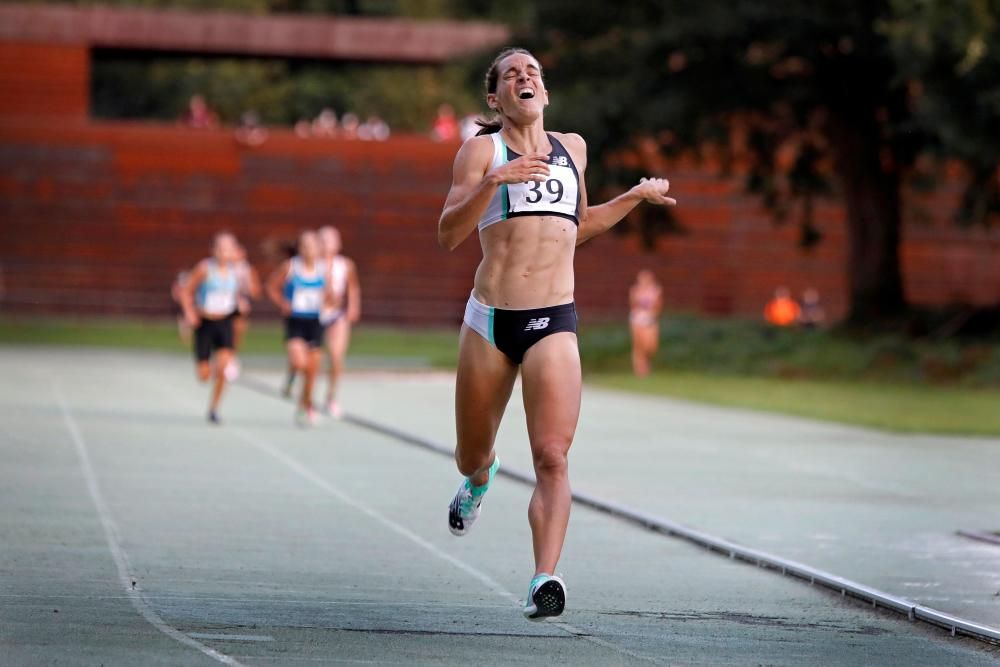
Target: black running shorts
513	332
308	329
212	335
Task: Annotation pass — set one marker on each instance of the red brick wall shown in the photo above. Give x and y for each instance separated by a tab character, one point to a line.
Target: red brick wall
42	80
99	217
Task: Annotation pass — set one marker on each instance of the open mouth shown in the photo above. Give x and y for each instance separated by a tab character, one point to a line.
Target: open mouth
526	93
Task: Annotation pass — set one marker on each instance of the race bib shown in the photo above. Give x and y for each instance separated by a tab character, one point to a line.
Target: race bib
557	194
307	300
220	302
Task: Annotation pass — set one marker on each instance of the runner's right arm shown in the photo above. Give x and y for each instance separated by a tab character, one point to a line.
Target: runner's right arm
187	291
275	288
472	187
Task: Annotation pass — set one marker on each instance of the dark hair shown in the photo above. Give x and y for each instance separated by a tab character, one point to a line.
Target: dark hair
495	123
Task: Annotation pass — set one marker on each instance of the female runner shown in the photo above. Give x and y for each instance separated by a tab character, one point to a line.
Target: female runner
339	318
523	188
300	289
645	303
208	299
249	283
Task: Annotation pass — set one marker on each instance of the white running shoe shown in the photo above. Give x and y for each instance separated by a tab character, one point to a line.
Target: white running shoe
334	410
305	417
465	507
546	597
232	371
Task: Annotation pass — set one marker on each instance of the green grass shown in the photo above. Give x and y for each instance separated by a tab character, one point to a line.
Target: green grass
433	347
900	408
888	382
748	348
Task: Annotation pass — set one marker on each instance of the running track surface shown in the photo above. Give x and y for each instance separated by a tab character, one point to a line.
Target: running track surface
258	543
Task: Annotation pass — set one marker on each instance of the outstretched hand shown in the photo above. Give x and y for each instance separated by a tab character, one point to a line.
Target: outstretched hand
654	190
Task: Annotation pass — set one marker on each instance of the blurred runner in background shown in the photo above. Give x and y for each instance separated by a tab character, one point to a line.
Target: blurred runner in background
645	304
300	288
209	300
249	289
183	328
341	314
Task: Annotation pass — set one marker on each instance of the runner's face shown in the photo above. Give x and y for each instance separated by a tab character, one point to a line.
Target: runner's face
225	249
521	94
308	246
330	241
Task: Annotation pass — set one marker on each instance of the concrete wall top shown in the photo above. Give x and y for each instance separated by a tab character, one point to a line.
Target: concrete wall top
337	38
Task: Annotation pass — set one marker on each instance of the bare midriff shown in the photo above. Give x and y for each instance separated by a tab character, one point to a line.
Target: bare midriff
527	263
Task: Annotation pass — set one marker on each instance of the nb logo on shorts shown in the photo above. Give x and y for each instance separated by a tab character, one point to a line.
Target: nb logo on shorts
537	324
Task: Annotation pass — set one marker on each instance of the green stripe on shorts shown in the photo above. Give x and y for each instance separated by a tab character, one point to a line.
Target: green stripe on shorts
489	326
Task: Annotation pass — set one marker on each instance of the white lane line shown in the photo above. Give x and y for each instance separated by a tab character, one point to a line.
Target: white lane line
480	576
256	601
114	542
231	638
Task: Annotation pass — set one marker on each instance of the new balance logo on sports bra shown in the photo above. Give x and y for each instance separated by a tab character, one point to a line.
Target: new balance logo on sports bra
537	324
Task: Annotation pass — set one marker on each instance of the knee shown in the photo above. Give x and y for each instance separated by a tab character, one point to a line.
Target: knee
551	458
314	360
469	463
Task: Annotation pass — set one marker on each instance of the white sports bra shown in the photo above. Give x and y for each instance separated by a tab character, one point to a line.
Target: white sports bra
558	195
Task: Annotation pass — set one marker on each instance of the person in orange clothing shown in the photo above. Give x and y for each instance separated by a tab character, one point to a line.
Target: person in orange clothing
782	310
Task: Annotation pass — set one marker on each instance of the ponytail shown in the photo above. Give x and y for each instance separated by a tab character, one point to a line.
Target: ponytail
489	125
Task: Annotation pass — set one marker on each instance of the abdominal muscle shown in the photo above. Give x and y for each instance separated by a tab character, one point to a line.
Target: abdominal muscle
527	263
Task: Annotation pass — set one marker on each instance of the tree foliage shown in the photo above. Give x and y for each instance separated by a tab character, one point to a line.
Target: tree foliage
950	52
817	97
280	92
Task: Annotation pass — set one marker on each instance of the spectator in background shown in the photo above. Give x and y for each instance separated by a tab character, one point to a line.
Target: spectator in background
445	126
325	124
373	129
199	115
349	124
782	310
251	132
303	129
812	315
645	299
468	127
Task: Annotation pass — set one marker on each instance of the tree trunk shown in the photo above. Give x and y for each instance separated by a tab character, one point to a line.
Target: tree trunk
872	197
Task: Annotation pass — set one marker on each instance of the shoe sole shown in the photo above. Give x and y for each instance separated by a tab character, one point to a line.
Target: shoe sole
466	525
549	600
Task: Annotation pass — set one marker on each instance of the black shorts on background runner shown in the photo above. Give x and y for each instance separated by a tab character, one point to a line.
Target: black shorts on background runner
308	329
212	335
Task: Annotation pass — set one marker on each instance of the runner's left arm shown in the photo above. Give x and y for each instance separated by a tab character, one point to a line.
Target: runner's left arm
353	293
595	220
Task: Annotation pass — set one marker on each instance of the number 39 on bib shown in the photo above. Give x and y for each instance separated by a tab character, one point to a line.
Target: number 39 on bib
555	195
